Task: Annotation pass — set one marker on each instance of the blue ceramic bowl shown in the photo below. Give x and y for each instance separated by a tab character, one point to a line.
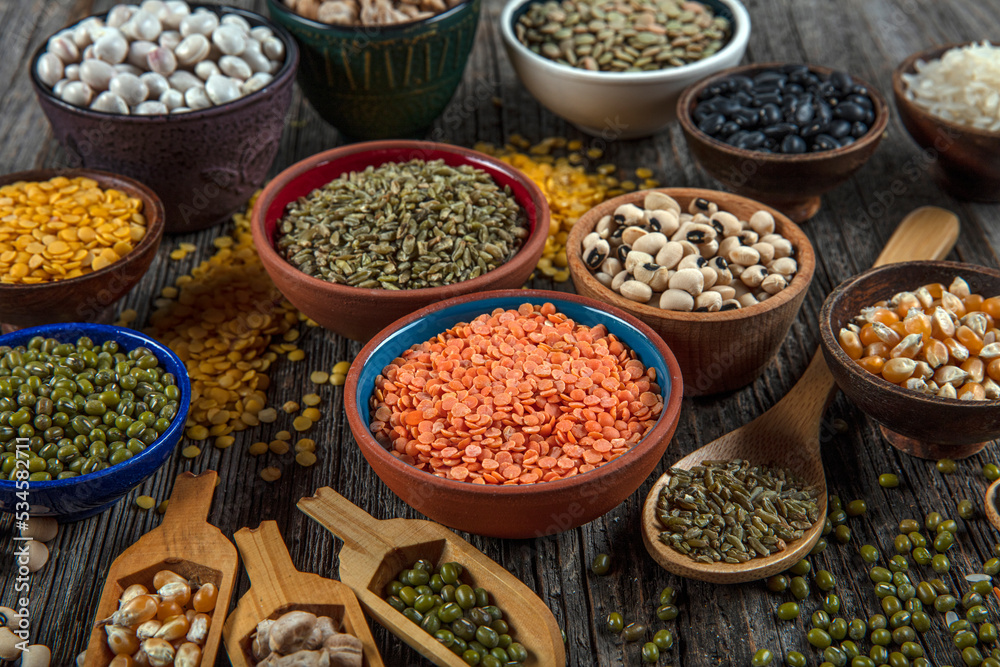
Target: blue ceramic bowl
520	511
84	496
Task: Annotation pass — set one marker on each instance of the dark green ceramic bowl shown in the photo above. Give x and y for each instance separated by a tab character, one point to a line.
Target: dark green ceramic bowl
382	82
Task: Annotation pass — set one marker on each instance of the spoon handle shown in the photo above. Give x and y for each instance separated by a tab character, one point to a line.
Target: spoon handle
925	233
190	500
267	562
357	528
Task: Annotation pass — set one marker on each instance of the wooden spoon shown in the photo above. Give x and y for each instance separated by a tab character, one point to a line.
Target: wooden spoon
375	552
788	435
185	543
277	587
991	504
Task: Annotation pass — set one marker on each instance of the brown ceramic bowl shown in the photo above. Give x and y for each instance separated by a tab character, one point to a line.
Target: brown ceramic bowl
924	426
89	297
359	313
966	161
716	351
204	164
522	511
790	183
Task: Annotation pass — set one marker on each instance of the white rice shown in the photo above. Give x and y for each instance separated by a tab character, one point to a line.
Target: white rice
962	86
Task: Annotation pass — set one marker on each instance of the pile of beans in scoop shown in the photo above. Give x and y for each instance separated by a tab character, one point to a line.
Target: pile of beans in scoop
936	340
785	110
83	406
515	397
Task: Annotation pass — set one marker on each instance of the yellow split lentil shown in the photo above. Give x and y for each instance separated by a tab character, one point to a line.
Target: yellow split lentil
296	355
258	448
279	447
270	474
341	367
311	399
283	435
302	423
64	228
312	414
224	441
290	406
191	451
338	379
319	377
305	459
267	415
162	507
305	445
145	502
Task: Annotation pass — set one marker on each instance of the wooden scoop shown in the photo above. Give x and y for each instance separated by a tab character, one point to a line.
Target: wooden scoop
991	504
788	435
375	552
184	543
277	587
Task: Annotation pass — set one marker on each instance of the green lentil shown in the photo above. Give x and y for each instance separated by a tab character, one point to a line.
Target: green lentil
850	649
788	611
856	507
891	604
959	625
819	638
881	637
834	656
922	556
972	657
907	526
933	520
862	661
663	639
940	563
879	655
946	466
991	472
601	564
966	509
650	652
615	622
838	628
911	650
857	629
842	534
988	633
824	580
799	587
777	583
633	632
838	517
878	622
795	659
819	547
888	480
869	553
992	567
945	603
880	575
977	614
902	544
762	658
668	595
949	525
903	634
820	619
667	612
831	603
800	568
898	563
984	587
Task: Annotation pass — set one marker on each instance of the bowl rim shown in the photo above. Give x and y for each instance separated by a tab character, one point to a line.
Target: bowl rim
907	67
805	257
152	208
688	99
534	242
829	343
286	71
737	43
368	31
359	423
165	355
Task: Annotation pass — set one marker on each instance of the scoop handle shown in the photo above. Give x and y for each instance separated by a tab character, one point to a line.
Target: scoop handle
190	499
267	561
358	529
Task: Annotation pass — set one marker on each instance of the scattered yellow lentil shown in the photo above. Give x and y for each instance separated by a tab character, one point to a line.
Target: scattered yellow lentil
128	316
302	423
291	335
290	406
341	367
312	414
643	172
224	441
226	315
162	507
278	446
337	379
178	254
169	292
145	502
305	445
594	153
191	451
283	435
305	459
64	228
257	448
270	474
223	241
319	377
296	355
267	415
197	432
311	399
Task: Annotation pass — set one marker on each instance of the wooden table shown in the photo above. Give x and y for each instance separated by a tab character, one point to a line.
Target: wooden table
718	625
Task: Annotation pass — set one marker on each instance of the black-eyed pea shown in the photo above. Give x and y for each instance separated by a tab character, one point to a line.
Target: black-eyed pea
628	214
710	249
737	269
612	266
723	277
761	295
727	245
658	200
743	255
765	250
634	258
726	291
677	299
753	276
702	205
708	302
726	223
604	226
664	221
730	304
710	275
634	290
594	256
644	272
632	234
762	222
748	237
689	248
604	278
747	300
622	251
782	247
651	243
618	280
670	254
701	219
689	280
590	240
786	266
660	280
774	283
692	262
682	230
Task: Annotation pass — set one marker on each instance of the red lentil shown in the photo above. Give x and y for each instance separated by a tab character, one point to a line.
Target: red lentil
515	397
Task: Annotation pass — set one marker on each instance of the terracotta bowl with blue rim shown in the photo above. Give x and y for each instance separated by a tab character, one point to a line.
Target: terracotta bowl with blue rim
92	296
518	511
80	497
382	82
204	164
360	313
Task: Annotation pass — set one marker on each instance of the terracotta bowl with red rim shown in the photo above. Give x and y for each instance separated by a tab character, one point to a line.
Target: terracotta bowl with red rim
926	426
90	297
965	160
517	511
790	183
718	351
360	313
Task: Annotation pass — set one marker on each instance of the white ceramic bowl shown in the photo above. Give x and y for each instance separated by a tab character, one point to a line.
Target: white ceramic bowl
614	105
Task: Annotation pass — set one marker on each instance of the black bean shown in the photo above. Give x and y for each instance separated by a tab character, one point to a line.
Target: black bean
745	118
859	90
743	97
712	124
760	99
735	137
728	129
794	89
824	114
804	114
813	129
779	130
793	144
858	130
727	106
847	141
740	82
770	114
860	100
824	142
770	77
751	140
842	80
839	128
850	111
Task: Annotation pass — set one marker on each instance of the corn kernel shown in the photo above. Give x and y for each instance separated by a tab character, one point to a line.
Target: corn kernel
145	502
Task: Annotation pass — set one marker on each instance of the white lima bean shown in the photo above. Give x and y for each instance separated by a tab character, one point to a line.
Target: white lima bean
256	82
156	84
41	528
112	47
162	61
235	67
701	249
196	98
129	88
77	93
230	39
49	69
221	89
37	655
109	102
71	72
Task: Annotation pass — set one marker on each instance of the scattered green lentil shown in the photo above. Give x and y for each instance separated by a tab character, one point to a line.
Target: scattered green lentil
856	507
145	502
667	612
663	639
842	534
869	553
946	466
668	595
650	652
799	587
888	480
761	658
788	611
777	583
965	509
633	632
795	659
824	580
615	622
601	564
991	472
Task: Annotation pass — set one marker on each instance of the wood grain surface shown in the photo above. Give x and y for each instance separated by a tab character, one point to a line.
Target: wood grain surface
718	625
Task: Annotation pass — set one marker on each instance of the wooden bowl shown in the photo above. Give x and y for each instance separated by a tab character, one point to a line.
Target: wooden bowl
790	183
521	511
90	297
359	313
716	351
966	161
924	426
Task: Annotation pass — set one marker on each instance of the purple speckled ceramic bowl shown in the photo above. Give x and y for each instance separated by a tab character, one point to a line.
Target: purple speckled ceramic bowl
203	164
